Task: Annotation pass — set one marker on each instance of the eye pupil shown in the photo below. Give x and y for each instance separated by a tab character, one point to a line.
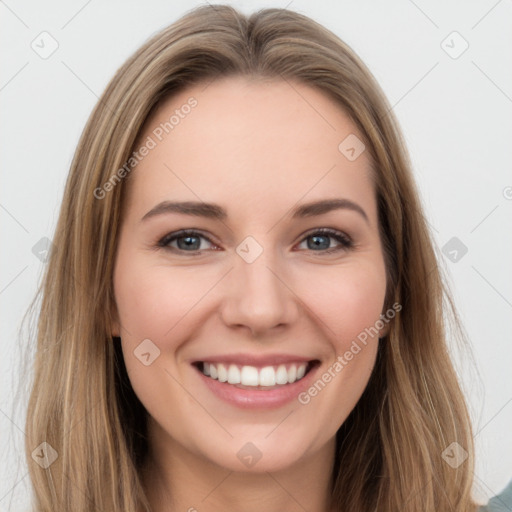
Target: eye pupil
189	242
317	242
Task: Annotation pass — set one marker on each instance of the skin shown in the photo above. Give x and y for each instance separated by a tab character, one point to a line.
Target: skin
258	149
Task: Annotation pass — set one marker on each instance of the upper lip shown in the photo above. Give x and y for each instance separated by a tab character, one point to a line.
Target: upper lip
255	360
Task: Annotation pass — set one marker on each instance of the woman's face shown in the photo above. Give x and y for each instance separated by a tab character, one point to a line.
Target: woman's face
257	294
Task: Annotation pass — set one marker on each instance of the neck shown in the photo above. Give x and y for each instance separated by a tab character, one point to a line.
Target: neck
178	480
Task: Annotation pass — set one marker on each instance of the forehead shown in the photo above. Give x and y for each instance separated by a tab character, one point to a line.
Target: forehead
238	140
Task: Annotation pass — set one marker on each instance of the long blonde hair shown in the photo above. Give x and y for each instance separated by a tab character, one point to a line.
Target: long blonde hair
389	453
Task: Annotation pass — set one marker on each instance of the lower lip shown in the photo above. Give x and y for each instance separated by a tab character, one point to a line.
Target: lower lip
258	398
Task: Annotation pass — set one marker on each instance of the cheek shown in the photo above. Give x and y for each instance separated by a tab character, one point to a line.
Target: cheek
347	302
151	299
347	299
152	303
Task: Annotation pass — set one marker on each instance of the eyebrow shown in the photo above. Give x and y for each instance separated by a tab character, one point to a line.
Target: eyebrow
216	212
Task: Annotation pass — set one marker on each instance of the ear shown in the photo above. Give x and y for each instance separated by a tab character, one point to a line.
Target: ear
385	321
384	331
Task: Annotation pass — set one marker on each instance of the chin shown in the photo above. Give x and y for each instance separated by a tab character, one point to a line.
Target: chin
254	455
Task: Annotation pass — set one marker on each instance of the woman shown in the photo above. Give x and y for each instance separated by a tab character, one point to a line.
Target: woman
295	358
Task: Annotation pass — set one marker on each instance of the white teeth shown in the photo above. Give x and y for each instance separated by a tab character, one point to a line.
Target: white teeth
251	376
267	376
281	375
233	374
292	374
222	373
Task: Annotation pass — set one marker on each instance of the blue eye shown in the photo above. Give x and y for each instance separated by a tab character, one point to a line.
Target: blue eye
317	241
187	240
321	241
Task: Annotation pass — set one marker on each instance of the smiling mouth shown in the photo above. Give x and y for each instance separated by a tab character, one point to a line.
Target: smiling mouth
252	377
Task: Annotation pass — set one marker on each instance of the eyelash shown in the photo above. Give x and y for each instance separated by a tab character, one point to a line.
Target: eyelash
345	242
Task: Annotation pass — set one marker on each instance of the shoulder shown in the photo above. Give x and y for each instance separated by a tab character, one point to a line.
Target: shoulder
500	503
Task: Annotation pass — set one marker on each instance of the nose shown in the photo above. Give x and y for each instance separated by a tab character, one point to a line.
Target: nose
257	296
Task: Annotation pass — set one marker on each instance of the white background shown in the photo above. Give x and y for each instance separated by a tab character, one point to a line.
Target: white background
456	115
